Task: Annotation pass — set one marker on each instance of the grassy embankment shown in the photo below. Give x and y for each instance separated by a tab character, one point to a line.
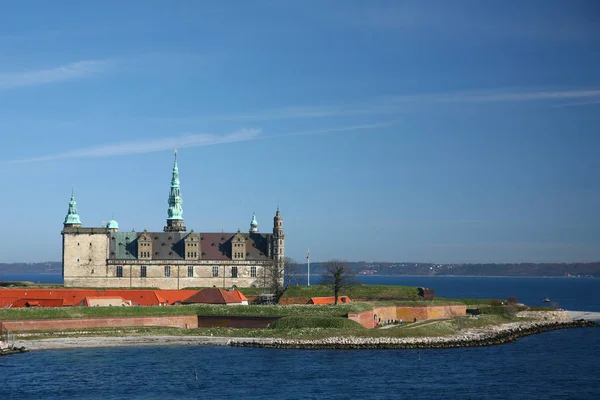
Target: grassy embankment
298	321
293	328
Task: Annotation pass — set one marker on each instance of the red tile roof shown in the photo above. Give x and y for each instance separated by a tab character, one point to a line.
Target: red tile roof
213	296
70	297
329	300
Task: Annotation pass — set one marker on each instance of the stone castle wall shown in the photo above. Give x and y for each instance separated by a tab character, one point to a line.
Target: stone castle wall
86	264
160	283
84	255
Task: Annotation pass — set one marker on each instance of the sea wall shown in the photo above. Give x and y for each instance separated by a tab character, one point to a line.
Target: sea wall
188	321
371	318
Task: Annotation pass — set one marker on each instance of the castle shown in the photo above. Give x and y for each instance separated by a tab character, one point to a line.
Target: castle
173	259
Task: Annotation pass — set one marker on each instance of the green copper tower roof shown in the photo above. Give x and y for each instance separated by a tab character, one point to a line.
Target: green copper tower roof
112	224
72	217
175	211
254	222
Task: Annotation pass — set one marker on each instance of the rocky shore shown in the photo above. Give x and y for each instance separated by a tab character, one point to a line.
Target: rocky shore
488	336
532	322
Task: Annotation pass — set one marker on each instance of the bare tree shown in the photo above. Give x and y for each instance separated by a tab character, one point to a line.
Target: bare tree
337	275
279	276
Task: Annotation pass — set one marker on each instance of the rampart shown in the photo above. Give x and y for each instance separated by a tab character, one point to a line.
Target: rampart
371	318
187	321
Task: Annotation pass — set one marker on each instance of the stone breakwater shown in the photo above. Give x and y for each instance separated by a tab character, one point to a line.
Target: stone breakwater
488	336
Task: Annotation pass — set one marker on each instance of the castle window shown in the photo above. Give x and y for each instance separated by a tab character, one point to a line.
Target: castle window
167	271
215	271
119	271
190	272
253	272
234	272
143	271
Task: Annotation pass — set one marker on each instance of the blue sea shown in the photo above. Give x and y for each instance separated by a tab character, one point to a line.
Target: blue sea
561	364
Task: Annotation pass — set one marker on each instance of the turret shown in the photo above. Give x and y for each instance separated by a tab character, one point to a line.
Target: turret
175	211
278	237
72	219
112	226
253	224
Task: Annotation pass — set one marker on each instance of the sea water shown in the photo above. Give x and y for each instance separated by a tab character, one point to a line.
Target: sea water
561	364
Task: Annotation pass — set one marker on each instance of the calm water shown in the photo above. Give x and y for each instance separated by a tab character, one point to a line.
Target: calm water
558	365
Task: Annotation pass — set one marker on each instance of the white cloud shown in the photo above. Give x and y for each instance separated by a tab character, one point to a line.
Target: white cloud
487	97
149	145
76	70
143	146
396	104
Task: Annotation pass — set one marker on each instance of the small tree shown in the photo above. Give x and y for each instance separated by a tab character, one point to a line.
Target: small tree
279	277
338	275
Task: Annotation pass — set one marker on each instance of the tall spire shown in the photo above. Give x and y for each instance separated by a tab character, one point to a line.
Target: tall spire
72	218
175	211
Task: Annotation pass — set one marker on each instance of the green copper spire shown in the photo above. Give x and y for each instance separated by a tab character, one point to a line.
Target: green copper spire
72	217
253	224
175	212
175	202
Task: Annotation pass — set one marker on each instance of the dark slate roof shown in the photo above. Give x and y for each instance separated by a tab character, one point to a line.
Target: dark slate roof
171	246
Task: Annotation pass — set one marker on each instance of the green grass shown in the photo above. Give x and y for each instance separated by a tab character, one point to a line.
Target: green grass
292	328
472	302
357	291
294	322
8	314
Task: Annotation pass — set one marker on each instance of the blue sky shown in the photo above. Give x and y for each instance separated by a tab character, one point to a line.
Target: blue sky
464	131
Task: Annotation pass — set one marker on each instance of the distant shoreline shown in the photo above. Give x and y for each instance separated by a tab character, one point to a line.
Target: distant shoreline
469	276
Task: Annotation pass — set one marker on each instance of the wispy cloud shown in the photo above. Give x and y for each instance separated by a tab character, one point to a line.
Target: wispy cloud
396	104
149	145
183	141
76	70
489	97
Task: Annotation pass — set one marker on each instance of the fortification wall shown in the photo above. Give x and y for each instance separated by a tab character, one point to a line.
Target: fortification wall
187	321
406	313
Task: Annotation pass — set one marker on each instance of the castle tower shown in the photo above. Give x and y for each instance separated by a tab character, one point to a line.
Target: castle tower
278	238
175	211
254	224
72	219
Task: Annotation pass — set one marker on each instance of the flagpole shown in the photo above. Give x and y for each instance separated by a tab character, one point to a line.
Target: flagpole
308	258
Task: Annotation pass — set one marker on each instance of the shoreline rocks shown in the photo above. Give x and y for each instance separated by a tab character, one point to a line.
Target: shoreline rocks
489	336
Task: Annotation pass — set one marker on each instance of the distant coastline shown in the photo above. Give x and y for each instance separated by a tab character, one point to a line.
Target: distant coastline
364	268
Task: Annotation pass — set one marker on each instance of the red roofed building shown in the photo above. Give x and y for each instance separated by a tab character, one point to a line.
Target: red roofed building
88	297
217	296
